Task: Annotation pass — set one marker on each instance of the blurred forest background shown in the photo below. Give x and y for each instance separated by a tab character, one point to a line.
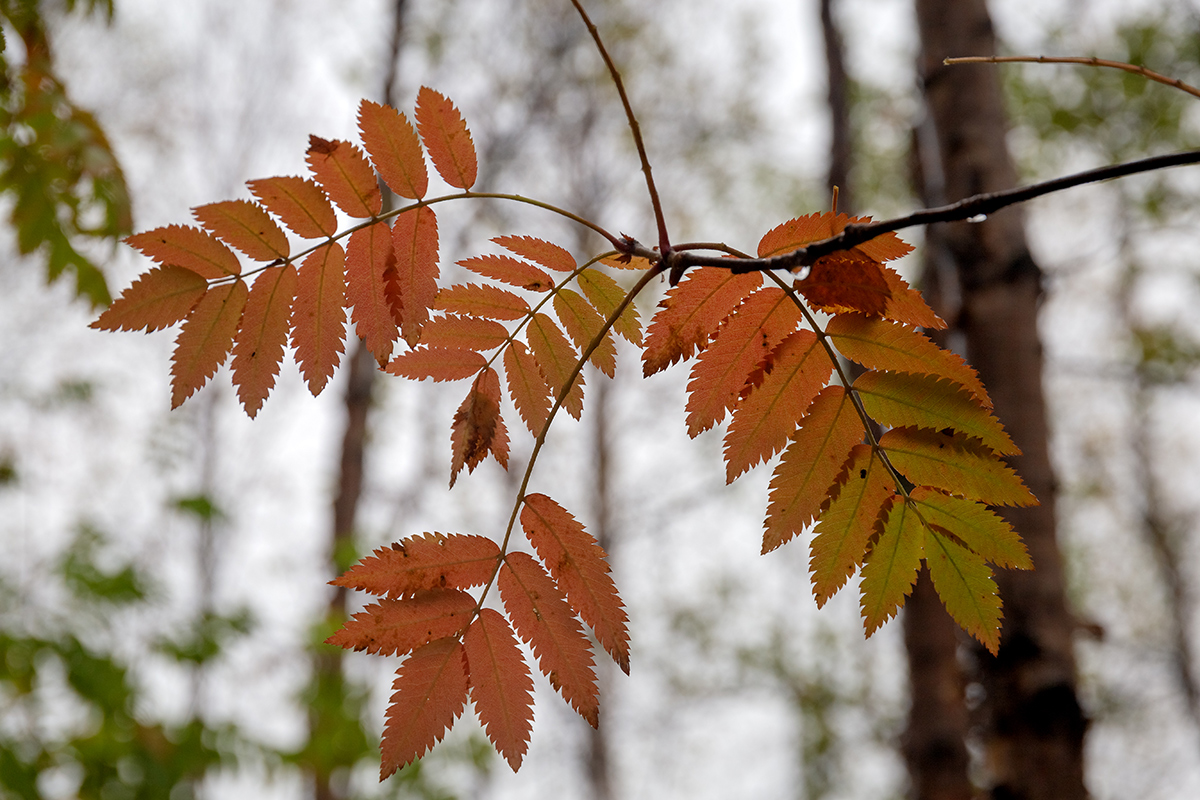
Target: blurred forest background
162	575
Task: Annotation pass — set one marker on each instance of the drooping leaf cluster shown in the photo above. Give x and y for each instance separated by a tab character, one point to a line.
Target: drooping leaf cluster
897	468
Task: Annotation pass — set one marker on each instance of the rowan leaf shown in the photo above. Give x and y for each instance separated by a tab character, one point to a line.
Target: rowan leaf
468	333
547	254
690	314
802	231
605	294
446	138
580	567
489	302
844	282
395	151
810	465
421	563
798	369
974	525
881	344
844	530
397	627
191	248
429	693
528	388
205	339
556	359
246	226
368	257
956	465
583	323
501	687
899	399
544	620
319	315
343	171
512	271
477	428
964	583
892	565
258	347
156	300
415	242
299	203
907	305
743	341
438	363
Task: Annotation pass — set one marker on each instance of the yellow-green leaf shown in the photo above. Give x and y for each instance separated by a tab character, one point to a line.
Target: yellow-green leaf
892	565
954	464
975	525
964	583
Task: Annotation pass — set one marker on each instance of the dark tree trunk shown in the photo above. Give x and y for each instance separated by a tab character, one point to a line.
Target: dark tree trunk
1033	727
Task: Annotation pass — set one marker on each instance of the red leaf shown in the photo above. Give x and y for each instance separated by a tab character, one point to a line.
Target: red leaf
187	247
421	563
501	687
344	172
299	203
368	256
477	428
156	300
690	314
415	241
489	302
246	226
439	363
548	254
557	360
797	233
319	315
468	333
205	339
262	336
429	693
846	282
395	151
447	139
397	627
527	387
580	567
543	619
512	271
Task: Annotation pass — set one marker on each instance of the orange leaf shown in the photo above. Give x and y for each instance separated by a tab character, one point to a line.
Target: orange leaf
512	271
892	565
797	233
344	172
955	464
415	241
845	528
299	203
580	567
156	300
527	387
549	255
368	256
246	226
319	315
879	344
846	282
489	302
395	151
557	360
742	343
690	314
469	333
583	323
397	627
187	247
501	687
763	421
810	465
636	263
205	339
605	295
543	619
907	305
447	139
477	428
439	363
420	563
262	336
429	693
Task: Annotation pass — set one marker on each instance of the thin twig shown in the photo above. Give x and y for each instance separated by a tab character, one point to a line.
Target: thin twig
1087	60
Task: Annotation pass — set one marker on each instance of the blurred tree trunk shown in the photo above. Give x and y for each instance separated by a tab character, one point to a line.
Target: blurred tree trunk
1033	727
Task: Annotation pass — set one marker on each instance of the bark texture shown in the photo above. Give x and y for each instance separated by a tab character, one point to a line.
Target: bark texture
1033	726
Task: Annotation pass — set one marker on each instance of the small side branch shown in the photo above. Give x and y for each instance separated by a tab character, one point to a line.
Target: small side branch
1087	61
